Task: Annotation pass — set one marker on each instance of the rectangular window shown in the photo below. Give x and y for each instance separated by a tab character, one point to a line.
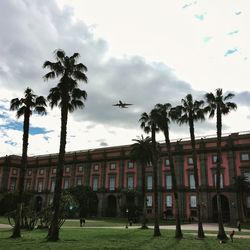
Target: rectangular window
53	170
130	164
79	181
190	161
40	186
149	201
96	167
191	181
169	201
13	184
67	170
193	202
247	175
95	183
112	183
41	171
28	184
214	159
149	182
167	163
149	164
66	183
221	180
168	181
14	171
112	166
80	169
130	182
244	157
29	172
52	185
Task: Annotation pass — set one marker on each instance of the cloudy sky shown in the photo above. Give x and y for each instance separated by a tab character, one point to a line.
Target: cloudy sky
140	51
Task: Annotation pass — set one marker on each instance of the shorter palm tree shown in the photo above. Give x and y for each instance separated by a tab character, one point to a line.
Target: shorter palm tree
25	107
141	153
149	125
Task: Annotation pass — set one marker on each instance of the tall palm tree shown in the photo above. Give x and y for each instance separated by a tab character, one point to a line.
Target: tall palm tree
218	104
241	186
148	124
68	97
189	112
163	120
141	152
25	106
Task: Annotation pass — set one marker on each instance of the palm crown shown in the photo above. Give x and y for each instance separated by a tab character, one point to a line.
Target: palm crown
67	90
29	103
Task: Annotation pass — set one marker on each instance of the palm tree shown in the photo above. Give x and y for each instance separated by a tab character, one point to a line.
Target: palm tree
25	107
148	124
163	120
218	104
189	112
141	152
241	186
68	97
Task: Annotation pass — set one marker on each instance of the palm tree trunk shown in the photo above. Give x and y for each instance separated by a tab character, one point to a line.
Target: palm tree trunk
17	228
155	176
53	234
144	209
178	231
196	178
221	233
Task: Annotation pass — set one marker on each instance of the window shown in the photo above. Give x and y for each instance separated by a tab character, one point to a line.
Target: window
149	201
112	183
95	183
247	175
14	171
67	170
96	167
149	164
40	186
248	201
41	171
130	182
193	202
168	181
167	163
80	169
169	201
66	183
190	161
53	170
29	172
28	184
52	185
149	182
130	164
244	157
214	159
79	181
13	184
191	181
221	180
112	165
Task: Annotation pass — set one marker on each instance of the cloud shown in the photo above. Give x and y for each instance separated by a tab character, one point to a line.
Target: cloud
233	32
242	98
230	52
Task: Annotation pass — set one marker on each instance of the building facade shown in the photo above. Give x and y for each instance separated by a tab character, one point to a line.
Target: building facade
111	174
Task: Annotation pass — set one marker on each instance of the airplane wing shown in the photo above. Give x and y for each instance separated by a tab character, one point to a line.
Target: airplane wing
116	104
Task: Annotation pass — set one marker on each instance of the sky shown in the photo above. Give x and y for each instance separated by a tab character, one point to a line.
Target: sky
142	52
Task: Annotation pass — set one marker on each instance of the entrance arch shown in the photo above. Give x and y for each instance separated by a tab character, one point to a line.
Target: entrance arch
112	206
224	207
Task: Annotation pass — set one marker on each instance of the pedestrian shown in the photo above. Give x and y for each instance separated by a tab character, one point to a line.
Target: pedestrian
239	225
82	221
232	236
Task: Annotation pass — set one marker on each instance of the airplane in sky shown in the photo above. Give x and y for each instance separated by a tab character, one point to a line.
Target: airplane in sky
122	104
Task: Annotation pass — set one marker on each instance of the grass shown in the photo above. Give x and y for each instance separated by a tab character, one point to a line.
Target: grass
83	238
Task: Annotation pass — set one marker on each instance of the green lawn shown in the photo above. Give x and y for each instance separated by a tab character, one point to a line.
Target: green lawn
87	238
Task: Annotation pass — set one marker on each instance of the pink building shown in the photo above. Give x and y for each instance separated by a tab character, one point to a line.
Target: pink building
112	175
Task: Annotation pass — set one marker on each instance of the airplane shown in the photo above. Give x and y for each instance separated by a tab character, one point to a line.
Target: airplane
122	104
